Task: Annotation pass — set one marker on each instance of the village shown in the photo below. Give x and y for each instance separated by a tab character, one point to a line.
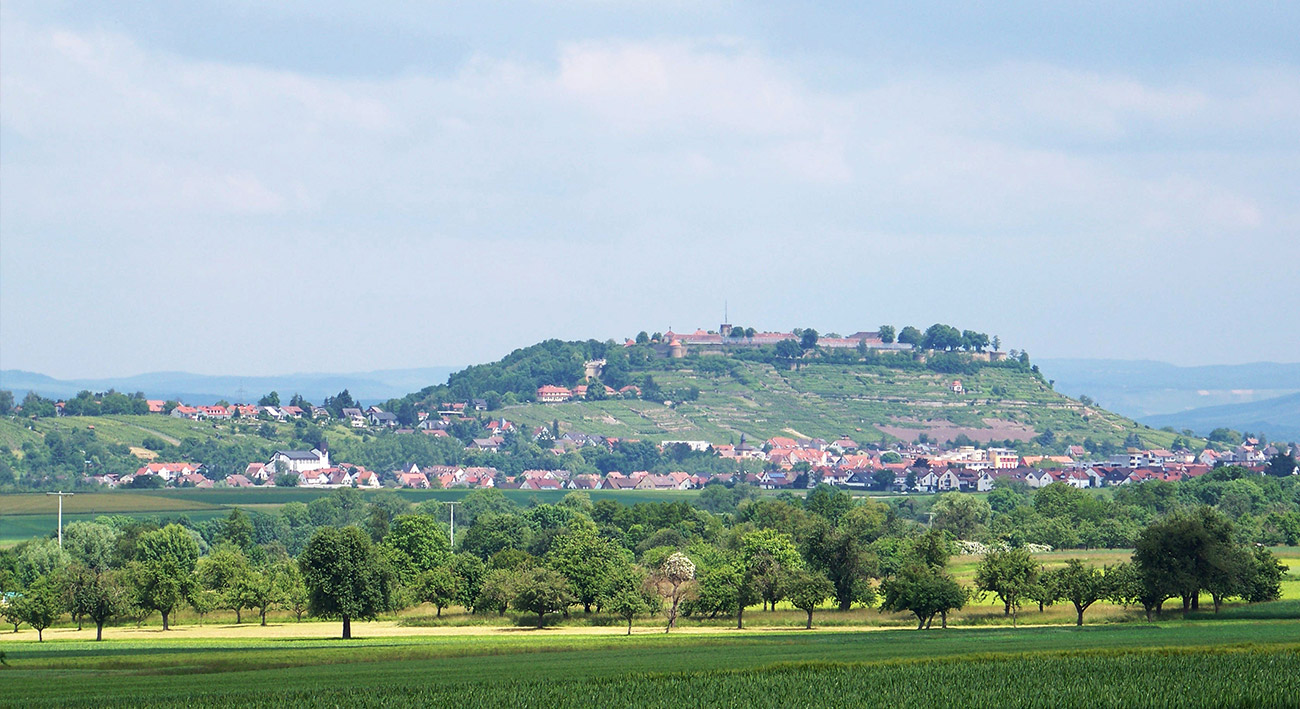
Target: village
778	463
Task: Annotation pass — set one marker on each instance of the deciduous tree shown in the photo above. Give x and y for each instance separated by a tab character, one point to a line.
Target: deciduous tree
346	576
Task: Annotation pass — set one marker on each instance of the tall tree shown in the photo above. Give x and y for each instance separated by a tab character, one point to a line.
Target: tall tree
588	561
97	595
1010	575
346	576
41	604
541	591
1082	586
674	574
807	590
163	571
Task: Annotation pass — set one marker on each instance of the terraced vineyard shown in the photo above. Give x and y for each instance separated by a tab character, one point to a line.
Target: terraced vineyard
866	402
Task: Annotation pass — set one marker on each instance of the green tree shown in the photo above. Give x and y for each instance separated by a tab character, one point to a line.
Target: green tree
808	339
97	595
346	576
495	592
768	556
1177	554
162	574
1281	465
807	590
439	586
420	544
224	572
960	514
41	604
843	555
541	591
923	591
887	333
788	349
271	399
91	544
265	588
1263	580
587	561
1081	585
1009	575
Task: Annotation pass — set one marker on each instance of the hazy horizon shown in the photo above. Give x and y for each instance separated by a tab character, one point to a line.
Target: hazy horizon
264	188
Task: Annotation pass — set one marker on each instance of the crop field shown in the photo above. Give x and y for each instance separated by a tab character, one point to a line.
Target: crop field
1239	663
866	402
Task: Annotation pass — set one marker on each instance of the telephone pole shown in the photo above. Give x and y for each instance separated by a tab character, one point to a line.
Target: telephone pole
452	505
61	495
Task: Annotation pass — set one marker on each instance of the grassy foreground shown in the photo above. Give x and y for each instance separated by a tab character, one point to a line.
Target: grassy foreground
1240	663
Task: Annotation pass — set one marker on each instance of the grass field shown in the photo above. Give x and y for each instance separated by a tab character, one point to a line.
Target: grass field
1241	663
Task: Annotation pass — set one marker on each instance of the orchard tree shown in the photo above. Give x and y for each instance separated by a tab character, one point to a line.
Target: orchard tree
587	560
541	591
768	556
842	554
1082	586
420	544
41	604
97	595
225	572
630	596
346	576
923	591
1010	575
808	590
163	571
961	514
439	587
676	572
495	591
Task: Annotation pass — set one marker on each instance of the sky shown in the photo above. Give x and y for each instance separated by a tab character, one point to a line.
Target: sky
267	187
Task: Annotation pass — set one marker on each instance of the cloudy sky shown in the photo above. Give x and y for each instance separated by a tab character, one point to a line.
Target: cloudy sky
269	187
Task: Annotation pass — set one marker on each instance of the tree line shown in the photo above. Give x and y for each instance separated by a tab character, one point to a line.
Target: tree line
349	558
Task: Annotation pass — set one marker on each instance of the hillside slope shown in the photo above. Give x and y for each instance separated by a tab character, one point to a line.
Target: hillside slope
866	402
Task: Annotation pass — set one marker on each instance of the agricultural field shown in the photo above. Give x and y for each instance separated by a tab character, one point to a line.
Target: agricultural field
1239	663
869	403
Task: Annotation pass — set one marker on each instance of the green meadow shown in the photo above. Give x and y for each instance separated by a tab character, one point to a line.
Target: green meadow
1238	663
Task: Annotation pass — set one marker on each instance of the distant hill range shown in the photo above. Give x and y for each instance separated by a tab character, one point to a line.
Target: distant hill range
1261	397
1277	418
368	387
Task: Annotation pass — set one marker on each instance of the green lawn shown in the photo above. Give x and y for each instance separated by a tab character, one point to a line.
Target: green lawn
1184	664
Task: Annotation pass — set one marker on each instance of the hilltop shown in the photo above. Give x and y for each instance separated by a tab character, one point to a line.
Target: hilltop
869	389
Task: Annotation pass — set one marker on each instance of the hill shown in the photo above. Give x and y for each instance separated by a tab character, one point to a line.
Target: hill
867	395
1277	418
1141	388
194	389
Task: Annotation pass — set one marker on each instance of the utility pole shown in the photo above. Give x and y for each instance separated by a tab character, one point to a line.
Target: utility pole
61	495
452	505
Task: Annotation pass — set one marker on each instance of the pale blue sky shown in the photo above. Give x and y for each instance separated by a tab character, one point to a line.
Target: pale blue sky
260	187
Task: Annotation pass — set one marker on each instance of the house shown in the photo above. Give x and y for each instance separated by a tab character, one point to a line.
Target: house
156	406
298	461
193	480
238	480
367	479
168	471
957	388
492	443
383	418
541	484
187	412
256	471
549	394
413	480
618	483
584	482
